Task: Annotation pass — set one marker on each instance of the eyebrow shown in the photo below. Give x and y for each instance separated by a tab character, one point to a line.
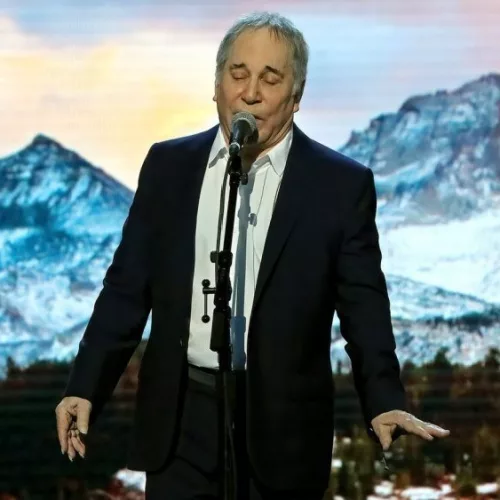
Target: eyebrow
268	68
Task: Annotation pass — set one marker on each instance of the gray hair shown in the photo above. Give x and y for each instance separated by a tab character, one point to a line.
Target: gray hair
282	28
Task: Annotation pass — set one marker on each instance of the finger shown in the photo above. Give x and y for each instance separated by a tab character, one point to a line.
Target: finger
435	430
422	431
78	446
77	441
385	437
82	418
71	450
415	426
63	422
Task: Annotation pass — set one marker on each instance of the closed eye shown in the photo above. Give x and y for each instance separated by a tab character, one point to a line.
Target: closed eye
238	75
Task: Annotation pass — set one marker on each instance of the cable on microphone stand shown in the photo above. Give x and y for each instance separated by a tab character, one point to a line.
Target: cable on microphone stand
220	339
244	131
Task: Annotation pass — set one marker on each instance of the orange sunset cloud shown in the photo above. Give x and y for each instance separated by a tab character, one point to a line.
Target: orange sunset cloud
118	84
109	102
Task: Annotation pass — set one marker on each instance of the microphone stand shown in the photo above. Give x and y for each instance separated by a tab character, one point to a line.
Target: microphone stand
220	340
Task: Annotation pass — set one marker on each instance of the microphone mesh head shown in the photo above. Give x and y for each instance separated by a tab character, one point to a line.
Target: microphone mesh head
247	117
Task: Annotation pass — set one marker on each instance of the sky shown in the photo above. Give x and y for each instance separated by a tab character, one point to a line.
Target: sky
109	78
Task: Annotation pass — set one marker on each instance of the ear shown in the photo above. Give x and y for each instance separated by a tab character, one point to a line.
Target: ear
216	91
296	104
298	97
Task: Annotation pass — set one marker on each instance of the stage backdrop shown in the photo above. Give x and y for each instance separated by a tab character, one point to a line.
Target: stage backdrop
410	89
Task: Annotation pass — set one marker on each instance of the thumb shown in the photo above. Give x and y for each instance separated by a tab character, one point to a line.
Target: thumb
82	418
385	437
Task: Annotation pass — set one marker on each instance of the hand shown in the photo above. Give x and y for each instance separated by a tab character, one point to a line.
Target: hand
72	416
385	424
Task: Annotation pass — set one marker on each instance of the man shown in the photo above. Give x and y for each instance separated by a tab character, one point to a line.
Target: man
305	245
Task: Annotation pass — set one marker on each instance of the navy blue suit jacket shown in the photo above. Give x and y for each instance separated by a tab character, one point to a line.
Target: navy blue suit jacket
321	255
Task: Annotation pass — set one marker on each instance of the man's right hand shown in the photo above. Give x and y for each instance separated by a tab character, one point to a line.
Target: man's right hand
72	416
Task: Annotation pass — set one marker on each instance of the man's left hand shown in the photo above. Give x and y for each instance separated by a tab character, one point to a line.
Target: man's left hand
386	423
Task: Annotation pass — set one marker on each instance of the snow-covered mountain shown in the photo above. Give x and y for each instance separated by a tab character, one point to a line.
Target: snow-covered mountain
463	256
60	222
437	169
437	158
428	318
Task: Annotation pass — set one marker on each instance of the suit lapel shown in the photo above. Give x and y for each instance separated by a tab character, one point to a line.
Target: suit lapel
193	164
288	206
296	181
184	172
188	179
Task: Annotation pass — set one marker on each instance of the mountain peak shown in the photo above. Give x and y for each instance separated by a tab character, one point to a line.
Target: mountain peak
493	78
47	187
444	98
44	140
436	158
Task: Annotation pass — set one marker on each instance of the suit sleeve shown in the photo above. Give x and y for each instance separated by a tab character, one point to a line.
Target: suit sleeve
122	307
363	308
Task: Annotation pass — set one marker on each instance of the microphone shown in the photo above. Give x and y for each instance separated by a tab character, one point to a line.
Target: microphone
243	131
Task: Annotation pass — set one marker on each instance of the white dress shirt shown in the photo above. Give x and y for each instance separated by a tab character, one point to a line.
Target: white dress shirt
254	208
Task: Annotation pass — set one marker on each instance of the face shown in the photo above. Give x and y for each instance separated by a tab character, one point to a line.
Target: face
258	77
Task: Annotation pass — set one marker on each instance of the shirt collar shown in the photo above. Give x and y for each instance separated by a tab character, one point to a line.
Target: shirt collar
219	149
276	156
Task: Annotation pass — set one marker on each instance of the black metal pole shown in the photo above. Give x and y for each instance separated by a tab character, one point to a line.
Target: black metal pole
220	340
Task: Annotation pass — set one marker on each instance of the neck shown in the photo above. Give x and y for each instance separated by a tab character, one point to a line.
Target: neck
251	153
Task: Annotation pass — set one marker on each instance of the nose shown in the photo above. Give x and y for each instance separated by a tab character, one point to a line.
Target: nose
251	93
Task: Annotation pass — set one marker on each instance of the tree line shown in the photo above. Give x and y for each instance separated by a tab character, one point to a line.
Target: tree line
461	398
